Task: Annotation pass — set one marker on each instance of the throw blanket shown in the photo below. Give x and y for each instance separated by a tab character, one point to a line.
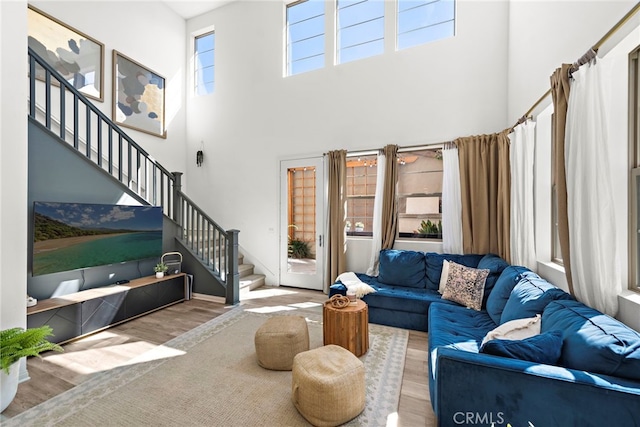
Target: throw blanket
354	284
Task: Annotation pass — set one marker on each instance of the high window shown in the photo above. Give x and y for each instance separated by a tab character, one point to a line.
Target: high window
204	64
305	36
634	163
361	189
423	21
360	29
420	193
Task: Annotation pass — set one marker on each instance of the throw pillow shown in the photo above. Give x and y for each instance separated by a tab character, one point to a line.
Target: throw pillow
544	348
465	285
517	329
443	276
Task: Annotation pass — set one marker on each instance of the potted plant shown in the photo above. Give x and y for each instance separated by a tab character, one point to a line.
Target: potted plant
16	343
359	226
160	269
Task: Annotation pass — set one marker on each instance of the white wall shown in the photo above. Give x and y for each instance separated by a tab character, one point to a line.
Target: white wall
544	34
13	166
153	35
430	93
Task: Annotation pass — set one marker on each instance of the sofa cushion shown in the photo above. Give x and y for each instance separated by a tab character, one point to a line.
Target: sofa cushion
399	298
517	329
501	291
593	341
434	265
465	285
496	266
402	268
542	348
456	327
529	297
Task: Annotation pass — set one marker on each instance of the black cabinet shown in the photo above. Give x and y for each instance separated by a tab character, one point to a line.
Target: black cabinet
65	322
89	311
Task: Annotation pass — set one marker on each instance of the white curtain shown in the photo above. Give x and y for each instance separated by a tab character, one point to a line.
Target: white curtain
376	241
523	247
451	202
595	267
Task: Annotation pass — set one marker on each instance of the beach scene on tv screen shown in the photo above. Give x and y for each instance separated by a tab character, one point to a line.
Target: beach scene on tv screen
70	236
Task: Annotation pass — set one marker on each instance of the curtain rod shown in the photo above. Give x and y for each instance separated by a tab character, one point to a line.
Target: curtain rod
595	48
401	148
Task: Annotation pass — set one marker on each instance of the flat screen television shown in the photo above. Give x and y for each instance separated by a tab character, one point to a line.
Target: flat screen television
71	236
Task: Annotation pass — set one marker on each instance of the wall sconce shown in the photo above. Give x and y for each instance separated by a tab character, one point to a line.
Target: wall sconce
200	154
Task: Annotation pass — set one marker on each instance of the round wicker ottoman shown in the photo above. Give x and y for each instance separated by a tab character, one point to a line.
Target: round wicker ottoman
279	339
328	386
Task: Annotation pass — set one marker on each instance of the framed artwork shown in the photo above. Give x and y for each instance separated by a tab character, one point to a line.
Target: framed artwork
138	96
75	55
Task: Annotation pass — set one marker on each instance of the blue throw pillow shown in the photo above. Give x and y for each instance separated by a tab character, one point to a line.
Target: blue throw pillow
593	341
501	291
402	268
495	265
337	289
529	297
544	348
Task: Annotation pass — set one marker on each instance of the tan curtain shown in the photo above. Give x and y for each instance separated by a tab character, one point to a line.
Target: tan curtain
485	187
336	246
560	94
389	204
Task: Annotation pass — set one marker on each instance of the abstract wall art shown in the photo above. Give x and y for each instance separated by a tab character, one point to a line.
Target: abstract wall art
138	96
76	56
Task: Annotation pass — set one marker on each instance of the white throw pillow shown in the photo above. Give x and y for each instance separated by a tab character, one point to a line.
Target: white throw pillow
443	276
517	329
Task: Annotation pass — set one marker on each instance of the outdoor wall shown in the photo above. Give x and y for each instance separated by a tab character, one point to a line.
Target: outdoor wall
256	117
151	34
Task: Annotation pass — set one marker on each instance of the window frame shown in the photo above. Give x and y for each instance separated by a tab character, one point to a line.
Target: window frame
634	170
367	221
419	236
288	64
422	42
197	69
338	29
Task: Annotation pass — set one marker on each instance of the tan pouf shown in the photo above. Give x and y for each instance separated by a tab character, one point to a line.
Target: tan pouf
328	386
279	339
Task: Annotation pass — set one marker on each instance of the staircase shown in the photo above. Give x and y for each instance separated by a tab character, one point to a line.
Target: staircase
73	120
248	280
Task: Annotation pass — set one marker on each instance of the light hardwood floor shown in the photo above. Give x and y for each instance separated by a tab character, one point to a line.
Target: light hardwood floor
82	358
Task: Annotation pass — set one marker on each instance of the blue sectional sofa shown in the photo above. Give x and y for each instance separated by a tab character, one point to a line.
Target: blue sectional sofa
407	284
582	369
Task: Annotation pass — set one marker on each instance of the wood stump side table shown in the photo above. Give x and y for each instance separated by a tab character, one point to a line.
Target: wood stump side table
347	327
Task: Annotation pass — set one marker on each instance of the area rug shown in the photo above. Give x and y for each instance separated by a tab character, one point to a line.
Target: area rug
209	376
